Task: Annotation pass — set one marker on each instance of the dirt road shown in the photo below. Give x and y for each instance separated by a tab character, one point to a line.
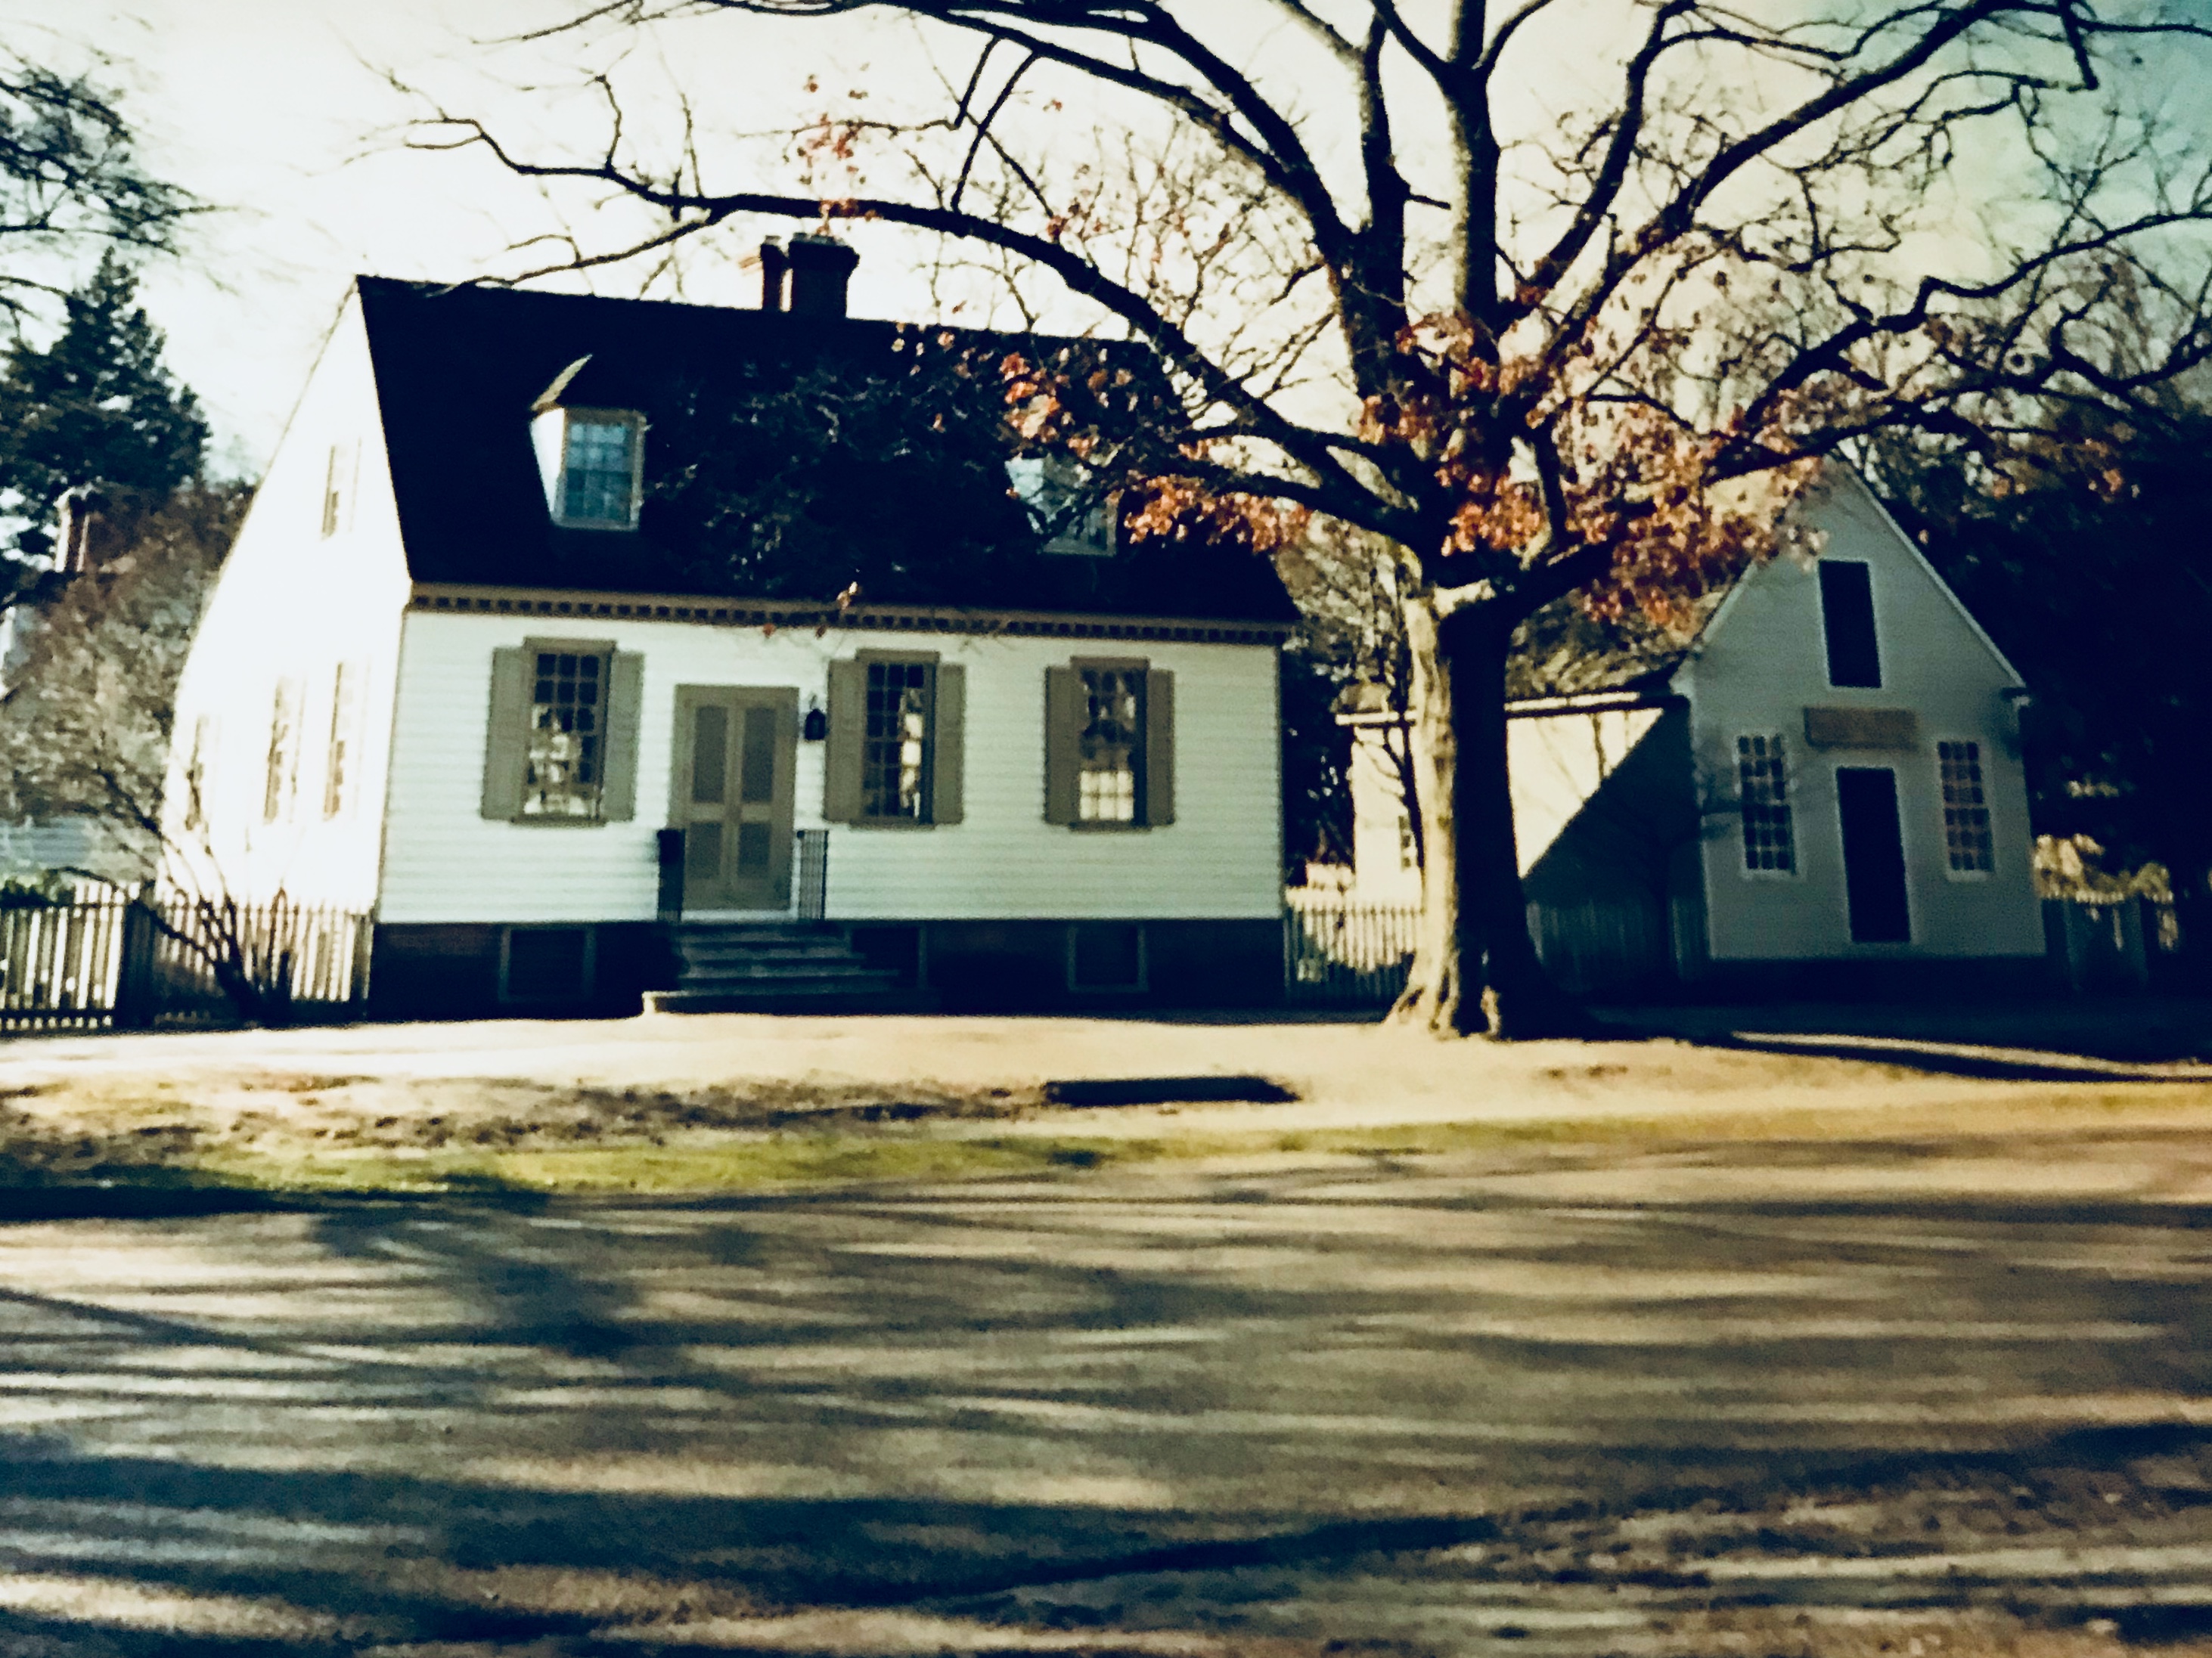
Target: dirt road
1671	1399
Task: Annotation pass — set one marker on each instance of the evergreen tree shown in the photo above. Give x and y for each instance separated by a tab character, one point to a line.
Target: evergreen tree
97	406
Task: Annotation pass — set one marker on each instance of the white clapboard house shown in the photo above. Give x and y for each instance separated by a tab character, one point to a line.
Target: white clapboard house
459	672
1821	785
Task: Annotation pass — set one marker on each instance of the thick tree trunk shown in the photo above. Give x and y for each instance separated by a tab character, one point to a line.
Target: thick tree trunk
1475	970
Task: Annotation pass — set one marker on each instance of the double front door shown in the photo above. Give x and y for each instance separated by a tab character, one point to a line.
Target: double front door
735	748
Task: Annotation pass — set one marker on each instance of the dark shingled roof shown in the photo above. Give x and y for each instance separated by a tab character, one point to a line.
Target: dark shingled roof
1563	651
458	370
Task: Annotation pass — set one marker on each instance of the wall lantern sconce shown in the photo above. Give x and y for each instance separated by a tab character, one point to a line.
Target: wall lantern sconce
816	726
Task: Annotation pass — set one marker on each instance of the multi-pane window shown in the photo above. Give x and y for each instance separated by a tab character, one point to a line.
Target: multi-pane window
1056	495
1765	784
1112	755
282	771
895	764
338	473
598	471
197	772
1965	809
346	711
568	734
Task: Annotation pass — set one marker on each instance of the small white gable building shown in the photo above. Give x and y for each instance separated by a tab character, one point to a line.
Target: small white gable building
1824	786
459	673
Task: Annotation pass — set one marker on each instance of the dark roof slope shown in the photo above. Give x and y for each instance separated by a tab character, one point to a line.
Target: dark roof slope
1563	651
458	370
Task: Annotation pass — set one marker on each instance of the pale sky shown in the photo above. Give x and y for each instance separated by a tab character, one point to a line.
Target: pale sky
276	113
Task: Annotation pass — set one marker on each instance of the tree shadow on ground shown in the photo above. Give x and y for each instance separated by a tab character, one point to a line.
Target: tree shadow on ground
502	1352
2060	1039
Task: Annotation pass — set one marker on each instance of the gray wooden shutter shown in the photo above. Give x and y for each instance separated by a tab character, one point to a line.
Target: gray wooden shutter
507	736
948	738
1159	748
1063	741
848	741
618	759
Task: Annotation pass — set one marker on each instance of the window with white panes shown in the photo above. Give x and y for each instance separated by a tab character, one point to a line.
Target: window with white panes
1966	835
1763	779
568	734
1112	763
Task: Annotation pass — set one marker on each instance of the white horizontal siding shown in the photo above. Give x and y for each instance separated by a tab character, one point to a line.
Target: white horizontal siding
1764	661
1220	859
292	603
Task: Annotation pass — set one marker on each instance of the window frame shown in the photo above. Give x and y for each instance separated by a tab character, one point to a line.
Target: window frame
340	479
1829	618
1045	485
926	817
1139	748
605	651
280	786
1141	985
558	502
199	770
1951	868
587	972
342	760
1777	755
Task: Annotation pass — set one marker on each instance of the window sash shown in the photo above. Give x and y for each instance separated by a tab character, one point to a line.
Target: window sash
198	769
1762	774
1109	768
282	777
563	764
1967	841
898	741
599	470
345	709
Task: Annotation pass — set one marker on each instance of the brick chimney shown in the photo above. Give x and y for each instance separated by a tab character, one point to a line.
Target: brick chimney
820	268
776	267
80	508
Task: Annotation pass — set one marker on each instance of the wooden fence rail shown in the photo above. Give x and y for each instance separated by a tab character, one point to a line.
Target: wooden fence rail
121	963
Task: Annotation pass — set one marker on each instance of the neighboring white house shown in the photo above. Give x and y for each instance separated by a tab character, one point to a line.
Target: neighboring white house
1828	772
445	678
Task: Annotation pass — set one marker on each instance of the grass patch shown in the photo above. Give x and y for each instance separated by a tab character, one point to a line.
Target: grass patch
728	1160
734	1165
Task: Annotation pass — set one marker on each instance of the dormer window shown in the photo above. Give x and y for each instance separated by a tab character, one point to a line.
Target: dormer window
593	461
1053	491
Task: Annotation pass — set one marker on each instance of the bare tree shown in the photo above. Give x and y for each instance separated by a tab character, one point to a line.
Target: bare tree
70	181
1539	334
85	726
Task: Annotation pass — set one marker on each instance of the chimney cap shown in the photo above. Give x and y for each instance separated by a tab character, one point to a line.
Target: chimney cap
820	267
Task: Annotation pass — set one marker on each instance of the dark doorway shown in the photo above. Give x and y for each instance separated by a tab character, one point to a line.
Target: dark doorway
1873	855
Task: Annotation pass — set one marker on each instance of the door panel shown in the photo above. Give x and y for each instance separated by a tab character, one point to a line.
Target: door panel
1873	855
737	840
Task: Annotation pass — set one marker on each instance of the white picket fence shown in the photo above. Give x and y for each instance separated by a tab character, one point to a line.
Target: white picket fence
108	963
1337	951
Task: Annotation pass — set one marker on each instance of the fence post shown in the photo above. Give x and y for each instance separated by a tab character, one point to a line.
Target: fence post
136	986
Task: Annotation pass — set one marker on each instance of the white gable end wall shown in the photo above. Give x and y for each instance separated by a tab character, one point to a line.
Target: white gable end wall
1764	661
1220	859
293	604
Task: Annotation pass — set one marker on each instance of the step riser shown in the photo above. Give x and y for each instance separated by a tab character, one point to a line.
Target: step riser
773	968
